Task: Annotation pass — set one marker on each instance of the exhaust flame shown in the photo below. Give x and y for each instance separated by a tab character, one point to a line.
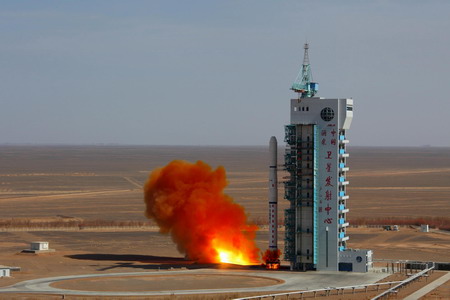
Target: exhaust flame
271	258
187	201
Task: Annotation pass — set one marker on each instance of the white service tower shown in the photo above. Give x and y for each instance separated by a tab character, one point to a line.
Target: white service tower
316	154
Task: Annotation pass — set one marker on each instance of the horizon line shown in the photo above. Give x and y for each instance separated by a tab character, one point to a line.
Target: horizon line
198	145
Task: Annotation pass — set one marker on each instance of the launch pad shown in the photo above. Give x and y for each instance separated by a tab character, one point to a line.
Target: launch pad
225	281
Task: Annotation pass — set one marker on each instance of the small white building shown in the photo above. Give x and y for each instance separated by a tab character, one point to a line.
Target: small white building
39	246
425	228
5	271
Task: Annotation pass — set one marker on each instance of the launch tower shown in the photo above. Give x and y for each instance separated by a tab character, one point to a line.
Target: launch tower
316	160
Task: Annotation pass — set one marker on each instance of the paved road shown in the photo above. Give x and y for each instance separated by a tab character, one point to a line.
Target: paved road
293	281
429	287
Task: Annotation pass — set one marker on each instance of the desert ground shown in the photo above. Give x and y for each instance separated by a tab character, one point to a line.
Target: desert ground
52	181
102	185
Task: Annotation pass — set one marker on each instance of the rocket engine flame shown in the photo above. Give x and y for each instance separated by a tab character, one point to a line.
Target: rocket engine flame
271	258
187	201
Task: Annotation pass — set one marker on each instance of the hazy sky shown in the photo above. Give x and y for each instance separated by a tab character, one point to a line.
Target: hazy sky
219	72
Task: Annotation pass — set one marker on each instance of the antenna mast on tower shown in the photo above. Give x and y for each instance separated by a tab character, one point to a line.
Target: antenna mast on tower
303	84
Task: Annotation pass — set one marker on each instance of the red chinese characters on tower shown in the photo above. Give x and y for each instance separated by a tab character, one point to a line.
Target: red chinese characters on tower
328	195
324	142
328	208
328	221
323	132
333	132
329	153
328	167
328	181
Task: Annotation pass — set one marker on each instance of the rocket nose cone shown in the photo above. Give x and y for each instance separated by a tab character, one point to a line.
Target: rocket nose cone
273	140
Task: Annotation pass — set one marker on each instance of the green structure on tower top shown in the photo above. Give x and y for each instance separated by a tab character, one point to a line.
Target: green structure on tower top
303	84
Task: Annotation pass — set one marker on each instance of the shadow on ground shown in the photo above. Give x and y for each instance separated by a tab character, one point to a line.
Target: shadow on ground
149	262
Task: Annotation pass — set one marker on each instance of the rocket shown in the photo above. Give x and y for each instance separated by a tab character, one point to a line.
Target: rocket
273	195
271	257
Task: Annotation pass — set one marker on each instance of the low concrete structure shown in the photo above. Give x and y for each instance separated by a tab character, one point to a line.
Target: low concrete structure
425	228
5	271
355	260
38	247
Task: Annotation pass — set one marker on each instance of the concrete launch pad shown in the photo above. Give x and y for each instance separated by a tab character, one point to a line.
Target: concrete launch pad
139	283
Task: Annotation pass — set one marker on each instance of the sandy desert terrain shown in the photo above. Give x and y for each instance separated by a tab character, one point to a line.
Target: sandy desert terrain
89	183
38	182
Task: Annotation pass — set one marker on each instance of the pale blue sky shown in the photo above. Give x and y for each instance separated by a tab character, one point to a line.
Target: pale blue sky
219	72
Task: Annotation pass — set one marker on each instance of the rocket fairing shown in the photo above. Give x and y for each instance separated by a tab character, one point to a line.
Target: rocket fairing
273	195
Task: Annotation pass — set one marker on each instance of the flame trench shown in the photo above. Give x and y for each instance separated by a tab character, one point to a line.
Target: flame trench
187	201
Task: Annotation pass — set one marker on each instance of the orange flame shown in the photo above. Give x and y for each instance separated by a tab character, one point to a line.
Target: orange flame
271	258
187	201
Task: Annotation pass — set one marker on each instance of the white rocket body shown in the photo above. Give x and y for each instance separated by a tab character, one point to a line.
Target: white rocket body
273	194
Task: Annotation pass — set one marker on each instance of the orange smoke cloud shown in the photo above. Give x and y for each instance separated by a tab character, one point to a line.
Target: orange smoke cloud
187	201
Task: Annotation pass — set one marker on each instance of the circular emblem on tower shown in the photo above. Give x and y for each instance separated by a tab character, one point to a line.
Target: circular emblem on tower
327	114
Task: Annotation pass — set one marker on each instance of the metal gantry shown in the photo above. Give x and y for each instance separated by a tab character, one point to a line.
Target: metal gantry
301	192
304	84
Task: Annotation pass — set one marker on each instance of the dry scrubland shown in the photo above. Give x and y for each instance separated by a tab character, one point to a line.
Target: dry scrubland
80	182
87	202
84	186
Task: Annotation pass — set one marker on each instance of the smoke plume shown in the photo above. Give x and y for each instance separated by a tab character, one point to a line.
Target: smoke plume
271	255
187	201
